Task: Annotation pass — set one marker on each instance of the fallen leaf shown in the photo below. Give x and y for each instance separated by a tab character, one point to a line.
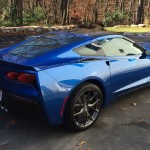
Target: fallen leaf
11	123
81	143
141	120
124	108
89	149
133	104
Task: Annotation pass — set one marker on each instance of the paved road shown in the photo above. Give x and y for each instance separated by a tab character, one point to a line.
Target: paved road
121	126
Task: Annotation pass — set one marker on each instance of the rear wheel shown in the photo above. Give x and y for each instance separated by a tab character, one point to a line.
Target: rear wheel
84	107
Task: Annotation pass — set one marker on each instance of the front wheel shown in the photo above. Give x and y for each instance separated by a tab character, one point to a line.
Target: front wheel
84	107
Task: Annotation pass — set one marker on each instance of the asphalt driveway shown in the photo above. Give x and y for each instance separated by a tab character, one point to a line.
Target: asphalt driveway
124	125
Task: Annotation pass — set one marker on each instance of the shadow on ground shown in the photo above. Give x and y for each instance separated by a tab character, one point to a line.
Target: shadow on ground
120	126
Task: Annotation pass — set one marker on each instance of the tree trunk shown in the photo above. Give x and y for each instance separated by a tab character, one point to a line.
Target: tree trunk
122	5
16	11
96	7
148	12
130	9
106	6
140	12
64	10
20	12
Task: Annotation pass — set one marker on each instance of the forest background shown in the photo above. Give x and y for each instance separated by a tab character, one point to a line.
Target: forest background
86	13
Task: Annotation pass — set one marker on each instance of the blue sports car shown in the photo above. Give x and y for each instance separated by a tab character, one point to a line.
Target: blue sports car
70	77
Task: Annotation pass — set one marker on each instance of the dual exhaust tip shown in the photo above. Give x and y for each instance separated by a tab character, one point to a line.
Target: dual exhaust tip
3	108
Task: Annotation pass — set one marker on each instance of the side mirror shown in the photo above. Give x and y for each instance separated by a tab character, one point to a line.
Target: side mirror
146	46
147	52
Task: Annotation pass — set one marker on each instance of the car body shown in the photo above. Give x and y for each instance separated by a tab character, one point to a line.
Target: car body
46	70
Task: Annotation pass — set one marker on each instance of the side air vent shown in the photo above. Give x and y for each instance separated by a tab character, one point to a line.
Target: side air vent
88	59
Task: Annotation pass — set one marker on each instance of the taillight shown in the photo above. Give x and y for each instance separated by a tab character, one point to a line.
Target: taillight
22	77
12	75
26	77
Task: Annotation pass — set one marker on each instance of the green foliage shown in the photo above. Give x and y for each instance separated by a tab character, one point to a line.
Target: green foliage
33	16
35	12
116	17
39	15
6	15
7	24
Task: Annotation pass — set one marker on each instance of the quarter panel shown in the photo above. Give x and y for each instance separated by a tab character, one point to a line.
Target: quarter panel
53	96
72	75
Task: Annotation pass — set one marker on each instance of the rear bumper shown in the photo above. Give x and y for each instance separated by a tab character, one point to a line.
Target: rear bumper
48	98
22	105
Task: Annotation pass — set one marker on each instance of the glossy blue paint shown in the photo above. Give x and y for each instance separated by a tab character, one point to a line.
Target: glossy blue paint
60	71
145	45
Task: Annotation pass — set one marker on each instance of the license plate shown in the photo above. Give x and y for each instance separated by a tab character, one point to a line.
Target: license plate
0	95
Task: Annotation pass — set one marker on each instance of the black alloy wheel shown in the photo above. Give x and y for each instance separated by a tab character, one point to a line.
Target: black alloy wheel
84	107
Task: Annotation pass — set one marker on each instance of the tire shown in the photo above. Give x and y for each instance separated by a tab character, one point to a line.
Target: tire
84	107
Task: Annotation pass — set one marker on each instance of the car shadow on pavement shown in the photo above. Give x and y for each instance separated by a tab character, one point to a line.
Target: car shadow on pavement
17	120
120	107
128	114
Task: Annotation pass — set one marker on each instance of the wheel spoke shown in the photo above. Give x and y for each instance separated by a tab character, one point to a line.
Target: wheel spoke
79	113
88	115
94	109
87	107
93	104
94	95
79	105
86	119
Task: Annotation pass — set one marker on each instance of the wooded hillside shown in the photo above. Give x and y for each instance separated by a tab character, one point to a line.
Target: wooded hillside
81	12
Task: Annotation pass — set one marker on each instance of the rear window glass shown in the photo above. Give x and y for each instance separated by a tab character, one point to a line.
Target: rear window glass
44	44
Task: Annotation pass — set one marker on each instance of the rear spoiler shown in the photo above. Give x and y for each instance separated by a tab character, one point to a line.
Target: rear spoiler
18	66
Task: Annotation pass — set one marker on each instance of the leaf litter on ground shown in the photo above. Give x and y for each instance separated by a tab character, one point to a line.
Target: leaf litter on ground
141	120
124	108
133	104
11	123
81	143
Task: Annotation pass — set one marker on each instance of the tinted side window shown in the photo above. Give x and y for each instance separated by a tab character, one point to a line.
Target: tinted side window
120	47
91	49
109	47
